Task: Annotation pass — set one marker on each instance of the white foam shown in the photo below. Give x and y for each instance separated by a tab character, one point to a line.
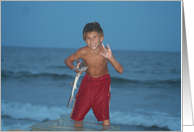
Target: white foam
34	112
40	113
5	127
147	120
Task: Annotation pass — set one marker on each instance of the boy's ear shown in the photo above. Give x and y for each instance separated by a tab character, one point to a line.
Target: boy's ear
101	39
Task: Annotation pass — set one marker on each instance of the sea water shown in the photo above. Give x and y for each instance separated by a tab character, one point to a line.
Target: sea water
35	88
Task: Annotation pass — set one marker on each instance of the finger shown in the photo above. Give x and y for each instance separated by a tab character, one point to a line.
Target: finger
80	72
108	46
103	45
78	64
101	53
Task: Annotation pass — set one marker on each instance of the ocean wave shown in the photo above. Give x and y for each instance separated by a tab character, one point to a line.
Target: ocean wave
161	120
18	126
5	73
169	81
114	80
58	67
117	80
41	113
34	112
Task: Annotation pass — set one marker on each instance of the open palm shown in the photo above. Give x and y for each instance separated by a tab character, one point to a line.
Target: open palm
107	51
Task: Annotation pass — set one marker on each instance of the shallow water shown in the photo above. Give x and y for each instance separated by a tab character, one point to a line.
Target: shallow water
35	87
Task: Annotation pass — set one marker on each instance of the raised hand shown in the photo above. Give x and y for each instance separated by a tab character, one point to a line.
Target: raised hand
107	52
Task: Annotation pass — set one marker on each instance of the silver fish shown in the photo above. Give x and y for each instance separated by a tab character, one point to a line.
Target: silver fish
82	67
74	86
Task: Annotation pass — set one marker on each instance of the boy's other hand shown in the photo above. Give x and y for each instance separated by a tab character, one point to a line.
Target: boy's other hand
77	66
107	52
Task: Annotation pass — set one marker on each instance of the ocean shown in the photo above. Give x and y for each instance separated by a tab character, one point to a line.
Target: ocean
35	88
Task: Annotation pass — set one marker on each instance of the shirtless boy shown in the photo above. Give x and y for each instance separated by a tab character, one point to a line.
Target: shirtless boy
94	91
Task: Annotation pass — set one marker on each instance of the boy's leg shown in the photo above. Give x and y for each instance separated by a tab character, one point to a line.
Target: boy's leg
101	101
82	103
78	126
106	122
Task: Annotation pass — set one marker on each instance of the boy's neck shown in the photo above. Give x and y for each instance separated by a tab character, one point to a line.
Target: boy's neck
96	51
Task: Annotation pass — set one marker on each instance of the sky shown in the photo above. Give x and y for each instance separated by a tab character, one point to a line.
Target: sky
127	25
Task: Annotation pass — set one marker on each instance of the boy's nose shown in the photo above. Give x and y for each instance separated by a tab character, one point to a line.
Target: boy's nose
92	40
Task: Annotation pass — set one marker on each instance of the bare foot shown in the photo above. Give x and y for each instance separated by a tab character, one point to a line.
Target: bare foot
78	123
78	126
106	124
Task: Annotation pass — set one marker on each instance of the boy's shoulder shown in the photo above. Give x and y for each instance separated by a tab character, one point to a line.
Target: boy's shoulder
82	51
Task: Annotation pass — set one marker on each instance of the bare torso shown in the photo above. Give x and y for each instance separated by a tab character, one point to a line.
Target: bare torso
96	62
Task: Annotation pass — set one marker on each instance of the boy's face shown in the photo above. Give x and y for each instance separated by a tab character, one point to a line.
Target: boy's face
93	40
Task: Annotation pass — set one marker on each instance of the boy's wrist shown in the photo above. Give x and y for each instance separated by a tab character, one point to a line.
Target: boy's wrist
111	58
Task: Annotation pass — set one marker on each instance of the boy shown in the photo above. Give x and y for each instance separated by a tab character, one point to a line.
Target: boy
94	91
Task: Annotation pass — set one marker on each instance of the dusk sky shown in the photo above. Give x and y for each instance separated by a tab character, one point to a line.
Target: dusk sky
127	25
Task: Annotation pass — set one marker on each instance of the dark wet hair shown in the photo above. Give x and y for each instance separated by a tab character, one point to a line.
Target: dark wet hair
90	27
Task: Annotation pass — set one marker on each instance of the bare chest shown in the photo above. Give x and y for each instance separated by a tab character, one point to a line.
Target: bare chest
97	61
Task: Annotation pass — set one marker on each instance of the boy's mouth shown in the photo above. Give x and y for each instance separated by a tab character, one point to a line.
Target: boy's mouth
92	45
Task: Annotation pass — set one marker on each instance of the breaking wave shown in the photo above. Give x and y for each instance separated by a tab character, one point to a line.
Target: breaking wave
43	113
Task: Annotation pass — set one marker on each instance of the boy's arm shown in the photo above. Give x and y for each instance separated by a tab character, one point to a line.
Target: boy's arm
108	54
69	61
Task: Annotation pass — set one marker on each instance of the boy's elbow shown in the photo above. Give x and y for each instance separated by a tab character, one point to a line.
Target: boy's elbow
65	61
120	71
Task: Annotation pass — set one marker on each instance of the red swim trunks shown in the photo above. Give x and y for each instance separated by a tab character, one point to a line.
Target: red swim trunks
93	93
